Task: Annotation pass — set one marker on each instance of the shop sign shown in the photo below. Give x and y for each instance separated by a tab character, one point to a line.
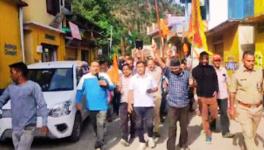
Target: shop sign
231	64
10	49
50	37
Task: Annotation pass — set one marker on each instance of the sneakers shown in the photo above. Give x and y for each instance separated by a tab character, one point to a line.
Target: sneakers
179	147
208	140
124	142
142	146
131	139
151	142
98	145
228	135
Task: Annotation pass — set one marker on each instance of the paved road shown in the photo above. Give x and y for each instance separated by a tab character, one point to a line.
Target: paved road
196	139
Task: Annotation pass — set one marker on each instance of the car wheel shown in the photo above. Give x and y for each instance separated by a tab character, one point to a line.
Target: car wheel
76	131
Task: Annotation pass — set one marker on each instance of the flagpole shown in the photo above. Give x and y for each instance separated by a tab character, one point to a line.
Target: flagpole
158	23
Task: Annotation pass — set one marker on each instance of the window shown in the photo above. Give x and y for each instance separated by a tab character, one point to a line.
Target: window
68	4
49	53
85	55
57	79
53	7
80	71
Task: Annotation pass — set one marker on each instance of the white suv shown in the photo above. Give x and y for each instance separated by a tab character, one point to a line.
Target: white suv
58	81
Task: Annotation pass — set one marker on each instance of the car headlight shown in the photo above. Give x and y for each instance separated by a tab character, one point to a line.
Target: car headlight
61	109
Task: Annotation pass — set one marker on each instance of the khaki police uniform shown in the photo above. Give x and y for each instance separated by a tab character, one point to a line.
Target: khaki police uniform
248	86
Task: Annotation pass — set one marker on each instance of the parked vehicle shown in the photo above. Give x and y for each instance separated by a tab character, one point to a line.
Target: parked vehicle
58	81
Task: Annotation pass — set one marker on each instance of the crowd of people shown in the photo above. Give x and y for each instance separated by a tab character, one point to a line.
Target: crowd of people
150	89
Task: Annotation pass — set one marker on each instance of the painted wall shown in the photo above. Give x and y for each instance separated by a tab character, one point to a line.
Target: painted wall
259	36
9	35
35	36
77	54
240	9
37	11
259	44
230	40
259	7
71	54
218	12
231	44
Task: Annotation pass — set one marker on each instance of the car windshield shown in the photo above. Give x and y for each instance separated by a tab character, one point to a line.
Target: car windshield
58	79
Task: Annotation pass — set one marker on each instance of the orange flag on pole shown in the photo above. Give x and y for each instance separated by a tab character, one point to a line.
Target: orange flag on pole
114	71
164	28
197	27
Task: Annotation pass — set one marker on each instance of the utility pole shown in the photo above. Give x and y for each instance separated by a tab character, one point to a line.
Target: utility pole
111	40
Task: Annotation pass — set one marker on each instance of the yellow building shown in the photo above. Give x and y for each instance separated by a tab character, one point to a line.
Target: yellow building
81	53
10	37
259	31
42	41
224	40
259	7
232	37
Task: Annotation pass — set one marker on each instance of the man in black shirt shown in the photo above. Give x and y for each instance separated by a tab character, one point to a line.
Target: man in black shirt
206	88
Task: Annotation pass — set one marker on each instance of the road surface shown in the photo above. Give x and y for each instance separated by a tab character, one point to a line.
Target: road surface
196	139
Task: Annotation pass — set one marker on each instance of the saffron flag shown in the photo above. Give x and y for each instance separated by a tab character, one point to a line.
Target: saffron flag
197	28
114	71
164	28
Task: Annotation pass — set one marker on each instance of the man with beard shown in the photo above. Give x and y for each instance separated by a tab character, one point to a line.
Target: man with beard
207	87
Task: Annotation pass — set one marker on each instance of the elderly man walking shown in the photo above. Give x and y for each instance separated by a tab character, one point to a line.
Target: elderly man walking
222	97
155	71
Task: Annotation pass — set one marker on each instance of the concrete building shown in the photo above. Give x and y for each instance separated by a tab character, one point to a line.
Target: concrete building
11	44
44	41
236	30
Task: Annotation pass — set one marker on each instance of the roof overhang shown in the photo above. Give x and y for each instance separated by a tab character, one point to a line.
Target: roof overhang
20	3
33	23
223	26
254	20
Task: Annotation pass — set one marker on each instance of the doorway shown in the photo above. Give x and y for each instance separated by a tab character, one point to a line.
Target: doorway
49	52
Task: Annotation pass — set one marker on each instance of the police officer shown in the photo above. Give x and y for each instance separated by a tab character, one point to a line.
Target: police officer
246	93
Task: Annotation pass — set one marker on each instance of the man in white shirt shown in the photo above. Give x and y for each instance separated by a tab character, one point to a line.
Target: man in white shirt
222	97
141	87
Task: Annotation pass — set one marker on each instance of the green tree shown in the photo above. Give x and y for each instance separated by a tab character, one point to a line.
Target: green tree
128	18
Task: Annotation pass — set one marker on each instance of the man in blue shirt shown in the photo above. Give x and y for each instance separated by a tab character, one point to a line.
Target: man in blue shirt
94	87
26	101
177	100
